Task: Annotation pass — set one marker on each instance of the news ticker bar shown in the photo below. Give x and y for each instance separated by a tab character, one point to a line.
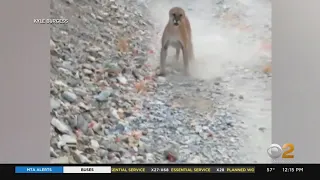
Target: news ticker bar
128	169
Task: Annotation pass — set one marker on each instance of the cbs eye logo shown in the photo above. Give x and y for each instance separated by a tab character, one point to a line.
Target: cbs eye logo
275	151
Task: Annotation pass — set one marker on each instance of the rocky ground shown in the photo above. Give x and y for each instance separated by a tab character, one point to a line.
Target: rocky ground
109	107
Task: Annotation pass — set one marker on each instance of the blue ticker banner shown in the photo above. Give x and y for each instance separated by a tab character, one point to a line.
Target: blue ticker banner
39	169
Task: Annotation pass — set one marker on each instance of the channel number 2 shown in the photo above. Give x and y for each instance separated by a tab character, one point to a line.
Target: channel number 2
287	153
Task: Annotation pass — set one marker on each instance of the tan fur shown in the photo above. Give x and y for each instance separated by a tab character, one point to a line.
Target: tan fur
178	36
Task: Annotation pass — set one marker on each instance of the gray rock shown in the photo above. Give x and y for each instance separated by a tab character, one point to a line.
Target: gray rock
114	7
110	146
111	155
89	150
140	159
102	153
97	127
62	145
149	157
52	44
60	160
133	158
122	79
83	106
161	79
70	141
135	149
91	58
194	160
68	65
60	126
79	158
65	71
88	66
94	144
73	82
72	122
88	117
120	128
52	153
114	113
94	49
69	96
126	161
87	71
113	68
54	103
82	123
90	132
104	95
115	160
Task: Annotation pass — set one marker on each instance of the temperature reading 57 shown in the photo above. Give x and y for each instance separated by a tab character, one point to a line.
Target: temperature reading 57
271	169
286	151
